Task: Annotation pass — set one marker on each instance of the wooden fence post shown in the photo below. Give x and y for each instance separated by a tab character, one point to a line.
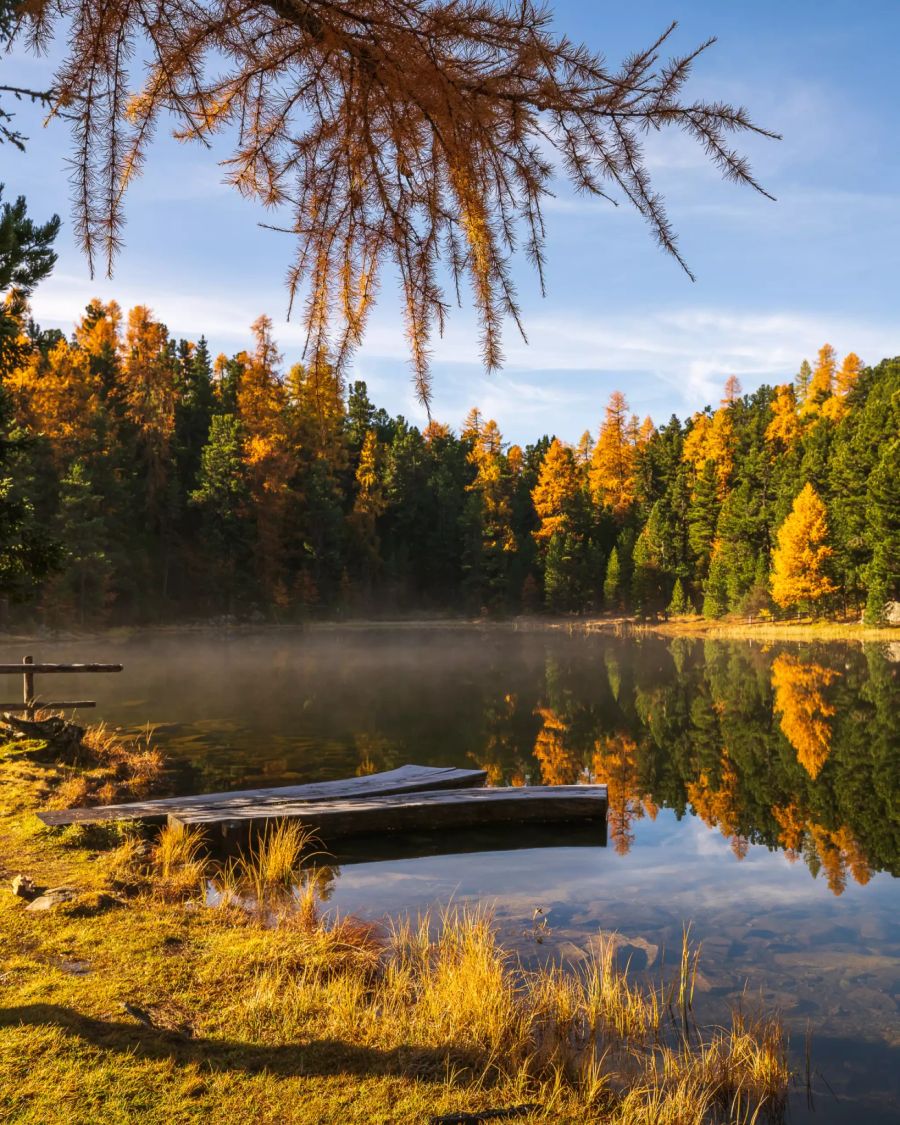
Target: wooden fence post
28	689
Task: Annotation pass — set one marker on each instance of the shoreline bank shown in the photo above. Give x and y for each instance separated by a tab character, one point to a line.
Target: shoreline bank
803	631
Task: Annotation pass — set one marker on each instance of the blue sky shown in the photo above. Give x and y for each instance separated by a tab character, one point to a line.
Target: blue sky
774	280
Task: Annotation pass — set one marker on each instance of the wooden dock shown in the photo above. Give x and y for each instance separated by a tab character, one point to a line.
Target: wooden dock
448	809
220	806
408	799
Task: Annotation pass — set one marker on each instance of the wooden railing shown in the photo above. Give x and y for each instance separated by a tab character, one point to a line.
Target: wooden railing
28	670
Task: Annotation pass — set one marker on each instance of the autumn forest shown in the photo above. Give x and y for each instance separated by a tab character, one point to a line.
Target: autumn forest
148	479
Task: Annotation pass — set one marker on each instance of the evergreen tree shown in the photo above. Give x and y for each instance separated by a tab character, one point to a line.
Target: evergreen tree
678	604
612	583
222	496
27	552
702	517
883	516
651	579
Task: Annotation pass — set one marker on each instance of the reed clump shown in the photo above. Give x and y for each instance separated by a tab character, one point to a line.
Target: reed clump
443	997
177	862
268	875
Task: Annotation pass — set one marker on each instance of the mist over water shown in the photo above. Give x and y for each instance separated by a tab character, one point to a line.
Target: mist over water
750	795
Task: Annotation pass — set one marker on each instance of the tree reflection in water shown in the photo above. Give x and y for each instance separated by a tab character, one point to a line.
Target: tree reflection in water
790	749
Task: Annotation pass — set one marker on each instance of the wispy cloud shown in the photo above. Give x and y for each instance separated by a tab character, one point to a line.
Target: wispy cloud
667	359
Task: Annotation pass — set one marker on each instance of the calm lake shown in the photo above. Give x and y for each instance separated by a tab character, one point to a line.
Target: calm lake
752	795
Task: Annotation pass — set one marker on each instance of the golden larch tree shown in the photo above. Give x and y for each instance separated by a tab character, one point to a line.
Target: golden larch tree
98	332
733	391
369	503
493	482
555	493
57	396
821	383
614	763
719	805
792	828
584	449
845	380
559	764
798	560
411	132
268	453
316	393
784	428
612	472
147	390
712	438
848	374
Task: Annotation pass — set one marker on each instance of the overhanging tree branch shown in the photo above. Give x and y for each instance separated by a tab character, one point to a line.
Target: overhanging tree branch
426	133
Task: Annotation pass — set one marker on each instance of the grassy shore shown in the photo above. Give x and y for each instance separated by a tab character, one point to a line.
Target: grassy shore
803	630
136	1000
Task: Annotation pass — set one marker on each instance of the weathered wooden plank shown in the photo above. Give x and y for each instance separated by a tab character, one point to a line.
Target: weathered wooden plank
406	812
40	705
45	669
405	779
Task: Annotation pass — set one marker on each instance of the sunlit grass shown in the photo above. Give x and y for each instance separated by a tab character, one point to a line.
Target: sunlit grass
447	990
178	864
106	766
292	1004
270	868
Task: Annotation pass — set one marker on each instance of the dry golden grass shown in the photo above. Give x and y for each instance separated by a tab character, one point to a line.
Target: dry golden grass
178	865
327	1019
105	767
135	762
447	994
271	866
70	793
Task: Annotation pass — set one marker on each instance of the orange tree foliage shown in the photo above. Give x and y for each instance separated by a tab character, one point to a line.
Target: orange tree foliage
712	439
785	425
416	131
493	482
845	380
821	384
58	396
612	471
369	503
268	452
719	806
805	711
836	850
148	394
556	492
798	560
733	391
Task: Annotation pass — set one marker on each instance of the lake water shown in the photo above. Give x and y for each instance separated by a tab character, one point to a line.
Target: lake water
752	795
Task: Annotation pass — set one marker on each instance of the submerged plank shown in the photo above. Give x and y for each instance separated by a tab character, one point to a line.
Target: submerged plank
404	779
461	808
